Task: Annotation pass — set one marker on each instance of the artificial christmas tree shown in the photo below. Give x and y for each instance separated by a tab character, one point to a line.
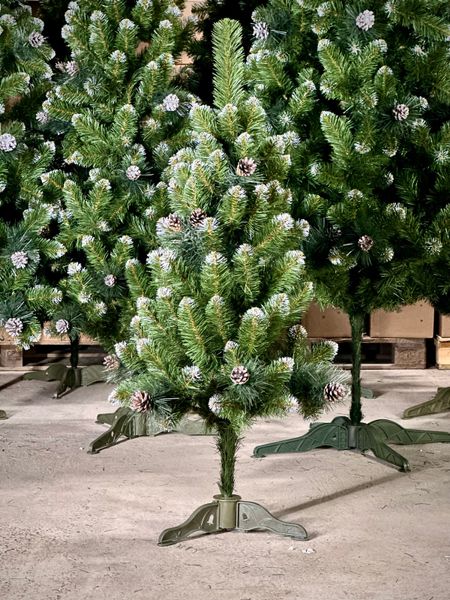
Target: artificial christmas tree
121	115
366	90
26	212
217	332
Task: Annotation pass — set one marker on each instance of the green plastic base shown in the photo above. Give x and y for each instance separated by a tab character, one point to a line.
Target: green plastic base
130	424
440	403
342	435
70	378
3	414
227	514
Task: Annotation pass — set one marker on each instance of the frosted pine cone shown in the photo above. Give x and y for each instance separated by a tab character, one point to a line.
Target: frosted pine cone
197	217
365	242
111	362
140	401
261	30
171	103
246	167
42	117
7	142
334	392
215	404
400	112
62	326
239	375
19	259
173	223
110	280
14	327
133	172
365	20
36	39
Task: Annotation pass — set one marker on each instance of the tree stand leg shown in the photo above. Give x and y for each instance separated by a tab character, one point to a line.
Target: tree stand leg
342	435
226	514
69	377
130	424
440	403
3	414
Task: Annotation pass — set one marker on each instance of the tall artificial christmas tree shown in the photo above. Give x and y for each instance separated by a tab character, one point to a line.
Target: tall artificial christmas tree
122	116
26	213
205	14
365	86
217	331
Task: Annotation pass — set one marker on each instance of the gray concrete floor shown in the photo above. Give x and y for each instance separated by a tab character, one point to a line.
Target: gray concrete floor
78	527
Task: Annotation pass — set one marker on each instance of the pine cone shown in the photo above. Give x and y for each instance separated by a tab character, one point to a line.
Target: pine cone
365	242
239	375
261	30
110	280
215	404
246	167
171	103
7	142
197	217
36	39
19	259
14	327
365	20
400	112
111	362
62	326
173	223
334	392
133	172
140	401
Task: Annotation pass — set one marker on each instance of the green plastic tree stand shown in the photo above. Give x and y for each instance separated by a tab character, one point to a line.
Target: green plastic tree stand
227	514
340	434
440	403
70	376
129	424
345	433
3	414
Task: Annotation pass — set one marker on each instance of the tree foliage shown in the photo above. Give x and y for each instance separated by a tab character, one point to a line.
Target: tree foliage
366	89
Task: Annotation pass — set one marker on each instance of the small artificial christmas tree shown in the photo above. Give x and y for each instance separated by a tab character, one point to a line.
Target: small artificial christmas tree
205	14
26	212
366	89
217	331
121	116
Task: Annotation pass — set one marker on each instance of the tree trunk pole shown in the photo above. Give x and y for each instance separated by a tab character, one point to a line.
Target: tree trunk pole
227	444
74	351
357	324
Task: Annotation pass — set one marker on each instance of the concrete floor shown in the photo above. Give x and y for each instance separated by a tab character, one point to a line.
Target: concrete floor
80	527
